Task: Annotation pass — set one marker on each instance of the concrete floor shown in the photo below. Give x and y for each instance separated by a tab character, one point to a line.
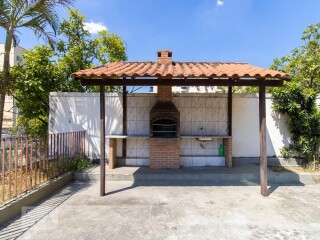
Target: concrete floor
172	212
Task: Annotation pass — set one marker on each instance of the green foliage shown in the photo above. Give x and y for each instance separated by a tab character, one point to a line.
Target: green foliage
31	84
77	50
245	90
38	16
46	70
304	62
285	152
79	163
297	99
304	119
35	15
32	127
110	48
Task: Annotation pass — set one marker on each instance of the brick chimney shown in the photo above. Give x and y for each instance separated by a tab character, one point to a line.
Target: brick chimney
164	92
164	56
164	125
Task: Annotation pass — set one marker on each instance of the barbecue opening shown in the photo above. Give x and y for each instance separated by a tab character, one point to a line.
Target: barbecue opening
164	128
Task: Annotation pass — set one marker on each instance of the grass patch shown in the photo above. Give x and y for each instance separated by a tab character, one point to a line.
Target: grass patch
293	169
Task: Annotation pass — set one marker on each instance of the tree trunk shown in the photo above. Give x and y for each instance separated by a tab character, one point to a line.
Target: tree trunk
5	75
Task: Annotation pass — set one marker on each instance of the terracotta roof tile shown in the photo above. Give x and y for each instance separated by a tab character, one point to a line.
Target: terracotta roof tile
180	70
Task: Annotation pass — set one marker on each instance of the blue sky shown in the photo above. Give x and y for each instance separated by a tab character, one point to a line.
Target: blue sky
253	31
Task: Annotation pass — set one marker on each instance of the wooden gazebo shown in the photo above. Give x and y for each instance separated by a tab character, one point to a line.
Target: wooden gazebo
166	72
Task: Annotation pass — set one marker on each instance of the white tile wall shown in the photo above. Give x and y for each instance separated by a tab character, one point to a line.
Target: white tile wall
186	143
131	127
131	161
207	114
199	161
185	102
175	101
142	162
198	102
143	114
142	128
186	151
185	128
223	103
131	114
132	102
143	152
142	143
198	128
200	148
185	114
215	161
186	161
223	128
132	152
198	116
131	143
212	102
212	128
198	151
139	114
212	114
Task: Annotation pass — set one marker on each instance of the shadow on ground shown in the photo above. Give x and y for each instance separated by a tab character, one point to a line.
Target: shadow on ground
31	215
245	172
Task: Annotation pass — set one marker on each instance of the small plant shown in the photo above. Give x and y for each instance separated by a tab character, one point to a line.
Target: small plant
80	163
285	152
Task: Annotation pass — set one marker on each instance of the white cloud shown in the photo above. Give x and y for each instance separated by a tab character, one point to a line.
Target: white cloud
94	27
219	2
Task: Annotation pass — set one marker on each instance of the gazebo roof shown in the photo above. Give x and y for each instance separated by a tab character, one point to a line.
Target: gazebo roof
185	70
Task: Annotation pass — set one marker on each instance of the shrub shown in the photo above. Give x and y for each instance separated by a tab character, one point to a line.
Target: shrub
80	163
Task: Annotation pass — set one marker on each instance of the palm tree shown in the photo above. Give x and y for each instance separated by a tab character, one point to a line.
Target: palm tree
37	15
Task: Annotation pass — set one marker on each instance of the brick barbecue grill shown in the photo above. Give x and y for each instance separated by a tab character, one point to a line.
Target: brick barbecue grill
164	126
164	120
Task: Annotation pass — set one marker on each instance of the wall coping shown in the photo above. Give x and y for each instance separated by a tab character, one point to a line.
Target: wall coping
220	95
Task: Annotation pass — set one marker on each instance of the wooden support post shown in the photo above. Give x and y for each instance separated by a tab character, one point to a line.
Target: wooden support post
124	121
230	110
227	142
102	141
112	153
263	150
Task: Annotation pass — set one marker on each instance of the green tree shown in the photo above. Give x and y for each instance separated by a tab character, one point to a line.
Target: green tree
32	83
77	50
48	71
303	63
37	15
297	99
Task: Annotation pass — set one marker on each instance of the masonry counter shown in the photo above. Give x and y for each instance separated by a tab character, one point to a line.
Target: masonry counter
226	140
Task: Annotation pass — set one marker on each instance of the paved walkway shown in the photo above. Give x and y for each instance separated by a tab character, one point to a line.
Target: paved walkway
172	212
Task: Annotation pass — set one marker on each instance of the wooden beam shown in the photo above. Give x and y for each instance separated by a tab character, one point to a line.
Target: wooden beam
102	141
230	111
181	82
263	148
124	120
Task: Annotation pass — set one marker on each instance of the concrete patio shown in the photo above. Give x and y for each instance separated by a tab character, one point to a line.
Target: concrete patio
130	211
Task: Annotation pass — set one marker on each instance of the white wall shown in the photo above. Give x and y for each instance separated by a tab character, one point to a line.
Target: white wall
245	127
80	111
11	111
201	114
14	53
